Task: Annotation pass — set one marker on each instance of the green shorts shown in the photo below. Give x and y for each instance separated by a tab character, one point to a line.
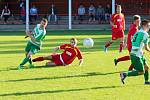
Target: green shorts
137	62
32	48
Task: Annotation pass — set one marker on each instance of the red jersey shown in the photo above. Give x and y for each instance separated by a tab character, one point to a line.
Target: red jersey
70	53
119	20
133	29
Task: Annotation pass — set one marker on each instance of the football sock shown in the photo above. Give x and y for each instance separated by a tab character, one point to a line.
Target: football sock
108	44
25	61
123	58
30	61
132	73
38	59
146	75
131	67
121	46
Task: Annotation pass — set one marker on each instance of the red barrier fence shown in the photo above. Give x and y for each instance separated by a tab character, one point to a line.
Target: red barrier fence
130	7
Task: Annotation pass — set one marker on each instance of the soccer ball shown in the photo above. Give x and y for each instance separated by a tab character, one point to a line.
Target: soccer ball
88	43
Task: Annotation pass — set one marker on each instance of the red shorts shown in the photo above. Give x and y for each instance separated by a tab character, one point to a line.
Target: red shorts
116	35
56	60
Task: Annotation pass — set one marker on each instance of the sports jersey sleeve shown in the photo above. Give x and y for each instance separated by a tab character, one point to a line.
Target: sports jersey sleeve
112	18
63	46
79	55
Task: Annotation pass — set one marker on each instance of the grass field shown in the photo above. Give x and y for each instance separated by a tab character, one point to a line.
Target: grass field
96	79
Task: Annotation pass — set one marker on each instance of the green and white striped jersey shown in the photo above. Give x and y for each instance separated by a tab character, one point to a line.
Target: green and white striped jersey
39	35
139	40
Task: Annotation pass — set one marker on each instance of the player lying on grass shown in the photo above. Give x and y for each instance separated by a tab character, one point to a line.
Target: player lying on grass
140	40
35	42
70	52
118	26
133	29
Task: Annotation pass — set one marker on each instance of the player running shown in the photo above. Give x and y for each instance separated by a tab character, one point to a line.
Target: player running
133	29
70	52
118	26
140	40
35	42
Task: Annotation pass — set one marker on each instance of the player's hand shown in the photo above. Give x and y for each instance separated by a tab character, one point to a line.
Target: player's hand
125	45
54	53
115	26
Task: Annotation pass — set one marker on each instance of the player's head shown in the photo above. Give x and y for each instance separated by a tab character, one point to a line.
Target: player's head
137	20
43	23
145	25
6	7
73	42
118	9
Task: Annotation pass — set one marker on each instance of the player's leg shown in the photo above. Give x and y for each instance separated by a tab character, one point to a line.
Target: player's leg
42	58
30	50
25	60
107	44
121	44
138	66
131	67
50	64
146	73
124	58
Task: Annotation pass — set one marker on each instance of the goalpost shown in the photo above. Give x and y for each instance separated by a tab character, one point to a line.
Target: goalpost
27	15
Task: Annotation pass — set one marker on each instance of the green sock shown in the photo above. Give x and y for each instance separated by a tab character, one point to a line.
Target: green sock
132	73
25	61
146	75
30	61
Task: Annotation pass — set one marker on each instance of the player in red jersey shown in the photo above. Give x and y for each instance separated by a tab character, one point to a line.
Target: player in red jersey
67	57
118	26
133	29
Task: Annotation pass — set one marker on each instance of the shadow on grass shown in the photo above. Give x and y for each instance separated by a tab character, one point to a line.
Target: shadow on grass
98	46
58	91
63	77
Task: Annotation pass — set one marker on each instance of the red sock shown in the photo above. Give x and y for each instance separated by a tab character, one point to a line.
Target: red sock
125	58
108	44
121	46
38	59
131	67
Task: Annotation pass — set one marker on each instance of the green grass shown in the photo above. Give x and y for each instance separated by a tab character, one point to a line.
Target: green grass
96	79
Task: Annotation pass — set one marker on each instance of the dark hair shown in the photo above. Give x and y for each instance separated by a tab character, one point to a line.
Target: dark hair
136	17
74	39
44	20
145	22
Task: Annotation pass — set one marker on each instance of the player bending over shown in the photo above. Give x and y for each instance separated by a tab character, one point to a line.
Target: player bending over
35	42
133	29
140	41
118	26
70	52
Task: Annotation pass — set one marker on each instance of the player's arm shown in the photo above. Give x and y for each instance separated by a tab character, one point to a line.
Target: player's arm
112	24
147	47
80	62
80	58
2	14
146	42
56	49
30	35
124	25
61	47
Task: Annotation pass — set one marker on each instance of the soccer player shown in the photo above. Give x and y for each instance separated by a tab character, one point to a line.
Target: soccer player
35	42
133	29
118	26
140	41
70	52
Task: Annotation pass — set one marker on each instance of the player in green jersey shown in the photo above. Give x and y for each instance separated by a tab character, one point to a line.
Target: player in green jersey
35	42
140	41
